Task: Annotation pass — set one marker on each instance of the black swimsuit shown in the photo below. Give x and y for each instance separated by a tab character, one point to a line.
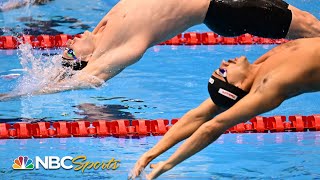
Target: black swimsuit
264	18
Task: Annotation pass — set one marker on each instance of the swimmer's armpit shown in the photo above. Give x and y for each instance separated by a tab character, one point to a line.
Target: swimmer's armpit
101	24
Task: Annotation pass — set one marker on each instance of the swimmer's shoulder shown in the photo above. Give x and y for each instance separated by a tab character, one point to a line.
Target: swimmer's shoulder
311	46
314	42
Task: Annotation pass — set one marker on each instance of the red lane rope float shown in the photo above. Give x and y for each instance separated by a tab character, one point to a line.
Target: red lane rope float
189	38
140	128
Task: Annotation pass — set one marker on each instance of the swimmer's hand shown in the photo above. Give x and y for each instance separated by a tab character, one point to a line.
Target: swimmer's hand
9	96
158	169
4	97
138	168
140	165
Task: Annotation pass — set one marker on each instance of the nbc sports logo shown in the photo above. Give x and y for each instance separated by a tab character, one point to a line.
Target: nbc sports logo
23	163
55	162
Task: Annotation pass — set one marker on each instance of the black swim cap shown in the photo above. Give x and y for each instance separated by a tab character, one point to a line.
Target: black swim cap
75	65
223	94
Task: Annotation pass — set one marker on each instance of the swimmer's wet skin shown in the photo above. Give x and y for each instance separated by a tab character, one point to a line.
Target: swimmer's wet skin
246	91
109	48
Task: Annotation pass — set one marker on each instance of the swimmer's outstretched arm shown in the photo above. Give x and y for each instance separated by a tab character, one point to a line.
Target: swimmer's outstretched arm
94	74
251	105
4	96
186	126
99	70
58	84
49	89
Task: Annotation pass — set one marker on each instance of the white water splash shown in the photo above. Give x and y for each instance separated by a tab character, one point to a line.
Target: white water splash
142	176
13	4
45	74
39	72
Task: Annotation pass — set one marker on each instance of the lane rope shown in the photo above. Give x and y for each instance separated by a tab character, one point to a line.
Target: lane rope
189	38
140	128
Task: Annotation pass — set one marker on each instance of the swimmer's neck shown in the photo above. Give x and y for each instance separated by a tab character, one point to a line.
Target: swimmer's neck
247	83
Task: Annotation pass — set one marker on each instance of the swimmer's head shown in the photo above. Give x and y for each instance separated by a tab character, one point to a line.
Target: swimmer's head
237	69
78	51
72	61
226	83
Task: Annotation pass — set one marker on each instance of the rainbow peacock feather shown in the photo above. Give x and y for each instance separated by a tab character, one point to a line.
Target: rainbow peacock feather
23	163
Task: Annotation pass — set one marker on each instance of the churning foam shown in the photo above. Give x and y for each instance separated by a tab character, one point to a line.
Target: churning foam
42	74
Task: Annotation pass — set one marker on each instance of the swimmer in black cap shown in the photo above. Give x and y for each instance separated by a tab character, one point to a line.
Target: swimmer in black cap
239	91
222	93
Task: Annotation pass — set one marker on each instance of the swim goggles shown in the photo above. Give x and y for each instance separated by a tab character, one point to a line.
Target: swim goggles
71	54
77	64
223	73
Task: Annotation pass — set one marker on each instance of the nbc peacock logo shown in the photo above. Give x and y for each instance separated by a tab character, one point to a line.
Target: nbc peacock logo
23	163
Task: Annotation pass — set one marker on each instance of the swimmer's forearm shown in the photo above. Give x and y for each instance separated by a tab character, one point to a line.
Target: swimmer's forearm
6	96
68	85
46	90
200	139
245	109
210	131
186	126
13	95
181	130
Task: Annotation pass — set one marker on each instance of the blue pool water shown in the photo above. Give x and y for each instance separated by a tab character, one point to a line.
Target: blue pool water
166	83
233	156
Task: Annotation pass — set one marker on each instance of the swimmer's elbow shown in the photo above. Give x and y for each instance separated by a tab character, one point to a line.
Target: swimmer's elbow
137	54
215	126
276	103
137	50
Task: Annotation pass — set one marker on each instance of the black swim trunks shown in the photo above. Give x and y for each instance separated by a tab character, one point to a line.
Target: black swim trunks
264	18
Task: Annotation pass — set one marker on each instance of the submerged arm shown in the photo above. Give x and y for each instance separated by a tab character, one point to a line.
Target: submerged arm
57	84
96	72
